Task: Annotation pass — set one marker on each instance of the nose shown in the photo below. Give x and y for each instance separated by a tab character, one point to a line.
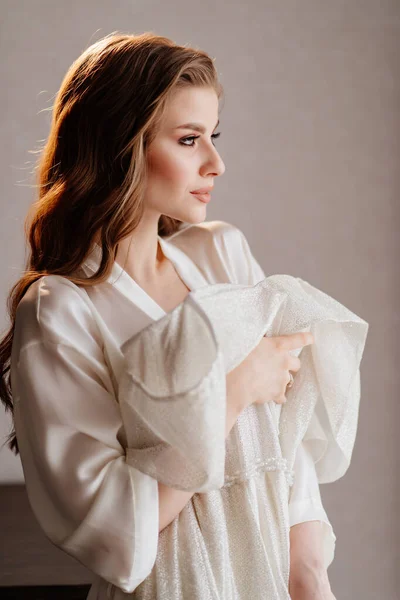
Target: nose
214	165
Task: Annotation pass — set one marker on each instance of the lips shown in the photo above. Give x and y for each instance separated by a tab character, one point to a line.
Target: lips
203	190
203	197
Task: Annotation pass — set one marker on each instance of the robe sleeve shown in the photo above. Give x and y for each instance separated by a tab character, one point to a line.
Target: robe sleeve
82	479
87	498
305	503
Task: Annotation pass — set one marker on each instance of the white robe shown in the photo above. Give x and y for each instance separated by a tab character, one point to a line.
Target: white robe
103	412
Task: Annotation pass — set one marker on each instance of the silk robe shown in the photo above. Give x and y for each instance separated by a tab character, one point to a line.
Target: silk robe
105	407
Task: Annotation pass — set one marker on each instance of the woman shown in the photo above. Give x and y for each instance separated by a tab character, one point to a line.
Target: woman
118	241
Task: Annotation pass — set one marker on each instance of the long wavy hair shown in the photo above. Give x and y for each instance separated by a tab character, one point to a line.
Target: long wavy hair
92	170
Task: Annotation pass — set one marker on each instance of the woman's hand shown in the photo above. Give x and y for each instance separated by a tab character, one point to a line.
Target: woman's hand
264	374
272	362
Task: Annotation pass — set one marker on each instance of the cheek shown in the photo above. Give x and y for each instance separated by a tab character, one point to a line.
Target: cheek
169	167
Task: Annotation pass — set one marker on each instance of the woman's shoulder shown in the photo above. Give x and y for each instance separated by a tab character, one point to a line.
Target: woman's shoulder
213	232
210	239
54	309
51	294
218	247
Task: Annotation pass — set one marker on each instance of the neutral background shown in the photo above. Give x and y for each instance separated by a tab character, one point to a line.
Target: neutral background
310	139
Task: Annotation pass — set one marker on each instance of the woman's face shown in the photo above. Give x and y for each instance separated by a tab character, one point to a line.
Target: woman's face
178	165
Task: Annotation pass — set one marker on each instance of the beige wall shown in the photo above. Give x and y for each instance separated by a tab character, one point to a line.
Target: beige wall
310	140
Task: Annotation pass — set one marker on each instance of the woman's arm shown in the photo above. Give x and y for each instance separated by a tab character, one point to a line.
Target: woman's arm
87	499
308	575
312	541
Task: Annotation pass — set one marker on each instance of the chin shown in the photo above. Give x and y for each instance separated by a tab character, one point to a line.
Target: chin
191	217
196	221
197	216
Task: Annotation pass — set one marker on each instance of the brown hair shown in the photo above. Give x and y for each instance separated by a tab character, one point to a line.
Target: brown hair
92	170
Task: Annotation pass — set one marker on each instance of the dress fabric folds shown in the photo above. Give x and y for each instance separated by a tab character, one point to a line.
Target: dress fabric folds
112	394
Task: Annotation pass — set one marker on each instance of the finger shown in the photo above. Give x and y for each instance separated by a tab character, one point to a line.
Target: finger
295	340
294	364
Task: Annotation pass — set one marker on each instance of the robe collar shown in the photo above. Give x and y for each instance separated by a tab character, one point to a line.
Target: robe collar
120	279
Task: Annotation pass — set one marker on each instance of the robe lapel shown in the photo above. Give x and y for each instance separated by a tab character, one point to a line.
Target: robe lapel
123	282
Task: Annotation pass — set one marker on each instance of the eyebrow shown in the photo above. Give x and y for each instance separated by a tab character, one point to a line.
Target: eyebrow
196	127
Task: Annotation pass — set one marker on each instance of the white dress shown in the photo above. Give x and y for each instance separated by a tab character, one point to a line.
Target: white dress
113	394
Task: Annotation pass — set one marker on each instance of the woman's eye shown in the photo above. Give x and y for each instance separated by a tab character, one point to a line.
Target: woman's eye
195	137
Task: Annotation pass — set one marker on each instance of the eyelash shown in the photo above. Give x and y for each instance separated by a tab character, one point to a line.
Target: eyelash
195	137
